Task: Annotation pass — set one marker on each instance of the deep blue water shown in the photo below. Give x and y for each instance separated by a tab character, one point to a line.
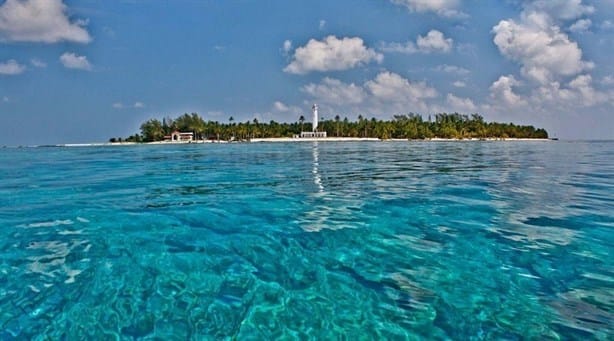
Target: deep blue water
458	240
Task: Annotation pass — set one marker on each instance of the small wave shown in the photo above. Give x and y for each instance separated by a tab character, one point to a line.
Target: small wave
51	223
82	220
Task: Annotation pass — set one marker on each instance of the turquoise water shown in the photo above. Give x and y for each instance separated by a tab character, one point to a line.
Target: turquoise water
458	240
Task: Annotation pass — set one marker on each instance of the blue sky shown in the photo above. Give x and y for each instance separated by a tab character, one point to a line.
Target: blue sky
84	71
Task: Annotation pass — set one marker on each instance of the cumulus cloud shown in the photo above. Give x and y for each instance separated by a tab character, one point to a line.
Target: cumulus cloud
387	93
559	9
434	41
73	61
581	25
334	91
549	59
502	91
459	84
544	52
390	86
461	104
39	21
11	68
331	54
444	8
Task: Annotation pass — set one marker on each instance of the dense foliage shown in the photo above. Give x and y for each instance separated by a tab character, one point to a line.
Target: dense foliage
411	126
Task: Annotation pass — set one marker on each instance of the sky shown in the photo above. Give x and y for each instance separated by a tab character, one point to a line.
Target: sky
75	71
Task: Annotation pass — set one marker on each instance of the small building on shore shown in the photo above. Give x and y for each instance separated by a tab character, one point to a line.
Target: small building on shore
178	136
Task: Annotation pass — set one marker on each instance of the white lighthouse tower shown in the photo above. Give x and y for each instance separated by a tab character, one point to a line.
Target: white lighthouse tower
314	109
314	133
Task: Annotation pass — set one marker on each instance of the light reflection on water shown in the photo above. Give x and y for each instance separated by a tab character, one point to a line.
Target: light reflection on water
494	240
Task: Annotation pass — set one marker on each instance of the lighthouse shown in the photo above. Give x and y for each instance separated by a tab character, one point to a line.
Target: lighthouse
314	133
314	109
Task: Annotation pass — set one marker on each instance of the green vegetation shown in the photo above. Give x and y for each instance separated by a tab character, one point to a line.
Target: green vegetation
410	126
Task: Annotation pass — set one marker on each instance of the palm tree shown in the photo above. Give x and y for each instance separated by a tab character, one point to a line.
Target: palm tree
337	119
230	120
255	127
360	118
301	120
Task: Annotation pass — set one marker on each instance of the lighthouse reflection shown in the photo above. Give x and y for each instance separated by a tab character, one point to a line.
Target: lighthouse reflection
317	179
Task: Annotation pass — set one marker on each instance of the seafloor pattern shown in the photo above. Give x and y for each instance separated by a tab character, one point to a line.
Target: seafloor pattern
459	240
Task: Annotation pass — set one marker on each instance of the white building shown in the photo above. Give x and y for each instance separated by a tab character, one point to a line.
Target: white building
178	136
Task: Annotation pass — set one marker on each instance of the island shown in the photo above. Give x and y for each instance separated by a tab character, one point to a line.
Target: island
192	128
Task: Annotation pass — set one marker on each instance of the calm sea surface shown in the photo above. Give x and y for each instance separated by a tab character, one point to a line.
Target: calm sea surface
458	240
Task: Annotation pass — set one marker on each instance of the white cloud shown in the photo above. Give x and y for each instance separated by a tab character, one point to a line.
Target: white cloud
502	91
322	24
387	93
117	105
458	104
549	59
73	61
38	63
11	67
459	84
279	106
581	25
560	9
334	91
582	85
331	54
444	8
544	52
39	21
452	69
138	105
390	86
434	41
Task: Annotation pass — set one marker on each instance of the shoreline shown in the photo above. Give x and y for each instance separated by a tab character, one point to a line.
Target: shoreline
286	140
306	139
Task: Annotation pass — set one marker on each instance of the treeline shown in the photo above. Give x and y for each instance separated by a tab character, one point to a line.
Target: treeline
410	126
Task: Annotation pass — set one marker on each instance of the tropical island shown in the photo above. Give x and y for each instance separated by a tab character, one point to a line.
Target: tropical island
407	126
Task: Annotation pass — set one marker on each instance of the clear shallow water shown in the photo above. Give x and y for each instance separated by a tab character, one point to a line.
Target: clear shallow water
480	240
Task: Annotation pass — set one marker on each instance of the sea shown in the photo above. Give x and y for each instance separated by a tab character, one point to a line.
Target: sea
480	240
